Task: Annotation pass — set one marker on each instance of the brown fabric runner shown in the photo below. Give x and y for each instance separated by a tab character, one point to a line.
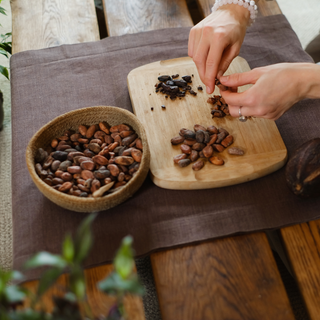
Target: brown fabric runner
49	82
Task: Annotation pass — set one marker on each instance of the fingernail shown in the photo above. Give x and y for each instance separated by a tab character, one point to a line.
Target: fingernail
224	78
220	73
208	90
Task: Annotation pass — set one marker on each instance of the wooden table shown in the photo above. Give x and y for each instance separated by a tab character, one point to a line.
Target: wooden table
196	281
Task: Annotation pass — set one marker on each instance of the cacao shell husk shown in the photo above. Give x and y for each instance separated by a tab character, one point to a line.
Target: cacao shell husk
303	170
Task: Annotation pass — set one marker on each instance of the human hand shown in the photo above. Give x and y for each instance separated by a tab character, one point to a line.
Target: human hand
276	88
216	40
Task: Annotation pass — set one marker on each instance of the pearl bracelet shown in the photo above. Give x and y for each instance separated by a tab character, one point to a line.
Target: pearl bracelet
249	4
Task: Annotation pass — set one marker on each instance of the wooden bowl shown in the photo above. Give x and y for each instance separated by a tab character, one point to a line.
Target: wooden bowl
71	120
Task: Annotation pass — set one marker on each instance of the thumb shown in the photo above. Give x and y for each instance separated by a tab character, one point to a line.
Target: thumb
239	79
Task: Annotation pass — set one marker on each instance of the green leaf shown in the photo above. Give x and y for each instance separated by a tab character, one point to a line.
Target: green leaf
46	259
4	71
3	10
6	47
14	294
124	262
48	278
115	284
4	52
68	249
83	240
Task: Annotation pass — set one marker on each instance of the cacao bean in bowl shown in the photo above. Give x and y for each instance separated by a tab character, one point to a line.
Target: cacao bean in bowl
127	153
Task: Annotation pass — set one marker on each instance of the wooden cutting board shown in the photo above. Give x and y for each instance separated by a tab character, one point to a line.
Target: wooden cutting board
265	151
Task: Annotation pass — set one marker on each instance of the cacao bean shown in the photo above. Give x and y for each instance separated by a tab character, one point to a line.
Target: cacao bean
227	141
124	160
136	155
177	140
198	146
220	137
216	160
194	155
83	130
87	174
88	153
55	165
184	163
198	165
218	147
189	142
41	155
139	144
207	151
66	176
83	188
54	143
212	130
94	147
213	139
75	137
101	174
104	127
200	136
198	127
60	155
185	148
87	165
64	165
236	151
91	131
48	162
74	169
101	160
126	141
56	181
179	157
48	181
114	170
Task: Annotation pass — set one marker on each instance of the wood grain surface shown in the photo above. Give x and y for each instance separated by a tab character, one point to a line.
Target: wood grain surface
302	244
123	16
265	7
231	278
42	24
265	151
98	302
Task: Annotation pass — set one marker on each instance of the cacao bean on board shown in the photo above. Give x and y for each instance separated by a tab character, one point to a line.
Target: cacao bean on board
203	142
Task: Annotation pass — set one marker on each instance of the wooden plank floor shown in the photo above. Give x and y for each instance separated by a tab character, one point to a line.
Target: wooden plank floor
124	17
230	278
42	24
99	303
302	244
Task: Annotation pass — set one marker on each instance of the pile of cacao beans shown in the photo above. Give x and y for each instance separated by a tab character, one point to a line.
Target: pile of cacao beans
203	143
91	162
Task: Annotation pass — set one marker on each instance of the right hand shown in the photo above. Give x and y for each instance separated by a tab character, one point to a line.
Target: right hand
216	40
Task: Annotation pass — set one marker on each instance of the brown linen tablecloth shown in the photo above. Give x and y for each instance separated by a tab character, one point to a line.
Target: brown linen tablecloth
49	82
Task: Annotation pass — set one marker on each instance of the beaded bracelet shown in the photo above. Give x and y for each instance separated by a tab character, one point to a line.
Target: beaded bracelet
250	5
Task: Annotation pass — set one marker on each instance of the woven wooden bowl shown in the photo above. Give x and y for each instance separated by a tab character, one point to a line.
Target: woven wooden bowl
71	120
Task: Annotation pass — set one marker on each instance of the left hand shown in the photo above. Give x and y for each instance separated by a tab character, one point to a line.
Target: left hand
276	88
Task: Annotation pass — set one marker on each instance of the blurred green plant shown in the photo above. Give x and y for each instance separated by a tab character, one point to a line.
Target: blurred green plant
73	304
5	46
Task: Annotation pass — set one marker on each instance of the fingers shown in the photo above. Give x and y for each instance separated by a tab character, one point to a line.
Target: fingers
212	64
228	55
236	99
239	79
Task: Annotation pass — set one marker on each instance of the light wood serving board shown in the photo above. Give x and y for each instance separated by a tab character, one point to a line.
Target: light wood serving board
265	151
